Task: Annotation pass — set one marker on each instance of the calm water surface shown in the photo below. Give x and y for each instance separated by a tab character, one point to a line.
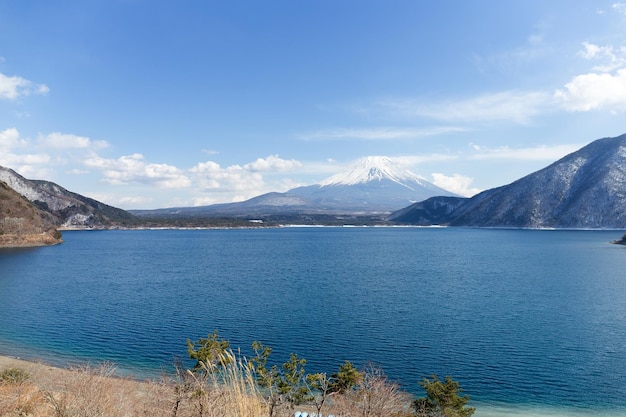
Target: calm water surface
530	322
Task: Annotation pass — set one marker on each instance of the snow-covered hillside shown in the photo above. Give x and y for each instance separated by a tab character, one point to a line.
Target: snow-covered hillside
586	189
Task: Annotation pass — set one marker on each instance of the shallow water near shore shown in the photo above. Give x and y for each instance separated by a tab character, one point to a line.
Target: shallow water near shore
529	322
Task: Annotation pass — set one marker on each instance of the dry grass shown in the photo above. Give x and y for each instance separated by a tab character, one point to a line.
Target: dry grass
80	392
223	389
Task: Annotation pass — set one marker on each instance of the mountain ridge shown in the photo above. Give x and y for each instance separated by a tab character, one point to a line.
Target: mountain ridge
23	224
585	189
64	208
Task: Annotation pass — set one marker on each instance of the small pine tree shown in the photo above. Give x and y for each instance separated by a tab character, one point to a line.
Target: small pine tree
209	350
346	378
443	399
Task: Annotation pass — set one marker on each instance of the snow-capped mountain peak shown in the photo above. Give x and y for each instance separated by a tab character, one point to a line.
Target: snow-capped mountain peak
371	168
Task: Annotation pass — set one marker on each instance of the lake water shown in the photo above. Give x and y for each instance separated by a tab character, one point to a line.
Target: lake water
529	322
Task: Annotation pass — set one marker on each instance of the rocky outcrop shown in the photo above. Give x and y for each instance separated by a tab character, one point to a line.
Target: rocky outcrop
621	241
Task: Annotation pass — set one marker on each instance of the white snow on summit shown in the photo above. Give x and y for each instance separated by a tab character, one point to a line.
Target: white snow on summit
373	168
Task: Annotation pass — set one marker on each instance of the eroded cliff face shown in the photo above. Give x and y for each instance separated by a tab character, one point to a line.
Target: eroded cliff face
21	223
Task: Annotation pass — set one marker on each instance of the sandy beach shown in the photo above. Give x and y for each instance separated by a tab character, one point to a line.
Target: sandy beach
38	371
51	390
144	395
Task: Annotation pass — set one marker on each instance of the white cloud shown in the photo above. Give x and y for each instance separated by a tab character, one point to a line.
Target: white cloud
604	87
381	133
33	164
210	176
538	153
9	139
14	87
456	183
133	169
62	140
240	182
273	163
595	91
80	157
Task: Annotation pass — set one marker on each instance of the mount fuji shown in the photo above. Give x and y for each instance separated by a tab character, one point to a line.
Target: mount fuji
374	184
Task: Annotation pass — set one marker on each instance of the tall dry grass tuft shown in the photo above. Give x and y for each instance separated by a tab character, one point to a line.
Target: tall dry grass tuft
225	387
93	392
230	388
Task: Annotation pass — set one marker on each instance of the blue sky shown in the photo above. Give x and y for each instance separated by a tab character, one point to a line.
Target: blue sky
150	103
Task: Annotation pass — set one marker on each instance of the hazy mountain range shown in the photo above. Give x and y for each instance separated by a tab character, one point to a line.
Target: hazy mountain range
586	189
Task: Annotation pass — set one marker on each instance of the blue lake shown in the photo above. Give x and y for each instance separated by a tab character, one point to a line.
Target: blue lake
529	322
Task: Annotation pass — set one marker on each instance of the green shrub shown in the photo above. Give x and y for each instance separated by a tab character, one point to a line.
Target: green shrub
14	376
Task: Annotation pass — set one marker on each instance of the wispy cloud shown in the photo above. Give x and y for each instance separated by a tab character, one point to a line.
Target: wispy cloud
608	56
619	8
411	161
513	106
516	59
380	133
273	163
14	87
537	153
68	141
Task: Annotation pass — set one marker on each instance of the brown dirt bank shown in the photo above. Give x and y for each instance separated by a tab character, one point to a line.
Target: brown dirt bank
28	240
